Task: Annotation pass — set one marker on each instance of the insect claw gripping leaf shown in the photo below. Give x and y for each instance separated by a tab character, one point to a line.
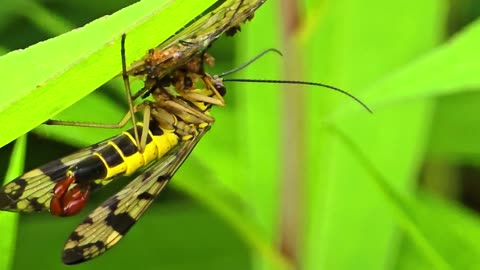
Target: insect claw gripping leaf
176	123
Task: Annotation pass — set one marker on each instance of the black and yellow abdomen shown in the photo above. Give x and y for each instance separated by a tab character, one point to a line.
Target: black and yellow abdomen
121	156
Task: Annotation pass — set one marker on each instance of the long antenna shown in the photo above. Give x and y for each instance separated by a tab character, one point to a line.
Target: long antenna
302	83
226	73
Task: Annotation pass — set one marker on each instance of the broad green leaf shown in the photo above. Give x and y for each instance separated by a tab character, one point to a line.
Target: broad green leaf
349	225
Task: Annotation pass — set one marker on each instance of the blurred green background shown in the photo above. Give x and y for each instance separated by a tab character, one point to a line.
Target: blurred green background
289	176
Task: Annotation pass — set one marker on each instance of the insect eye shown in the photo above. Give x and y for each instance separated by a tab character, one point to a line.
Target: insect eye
187	82
220	88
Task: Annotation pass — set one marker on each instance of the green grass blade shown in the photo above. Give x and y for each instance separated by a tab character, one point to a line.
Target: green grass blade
8	221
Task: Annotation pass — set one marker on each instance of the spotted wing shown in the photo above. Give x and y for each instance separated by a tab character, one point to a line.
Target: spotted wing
197	36
32	191
108	223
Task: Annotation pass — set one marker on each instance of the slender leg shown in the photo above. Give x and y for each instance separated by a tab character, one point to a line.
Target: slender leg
120	124
146	124
128	92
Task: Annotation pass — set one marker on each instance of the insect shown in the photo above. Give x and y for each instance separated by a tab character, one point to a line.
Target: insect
173	123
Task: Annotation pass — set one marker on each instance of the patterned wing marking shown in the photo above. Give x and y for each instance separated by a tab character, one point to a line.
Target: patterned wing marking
32	191
108	223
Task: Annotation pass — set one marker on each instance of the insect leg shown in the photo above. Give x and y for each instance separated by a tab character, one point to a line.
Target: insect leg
120	124
128	91
146	121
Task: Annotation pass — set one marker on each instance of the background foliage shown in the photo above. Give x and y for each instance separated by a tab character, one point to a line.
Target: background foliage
294	176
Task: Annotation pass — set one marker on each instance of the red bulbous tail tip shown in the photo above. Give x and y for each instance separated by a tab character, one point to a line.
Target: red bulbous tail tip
68	201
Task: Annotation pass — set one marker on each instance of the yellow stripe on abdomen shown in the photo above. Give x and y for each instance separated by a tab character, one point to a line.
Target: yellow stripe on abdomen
120	156
132	159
